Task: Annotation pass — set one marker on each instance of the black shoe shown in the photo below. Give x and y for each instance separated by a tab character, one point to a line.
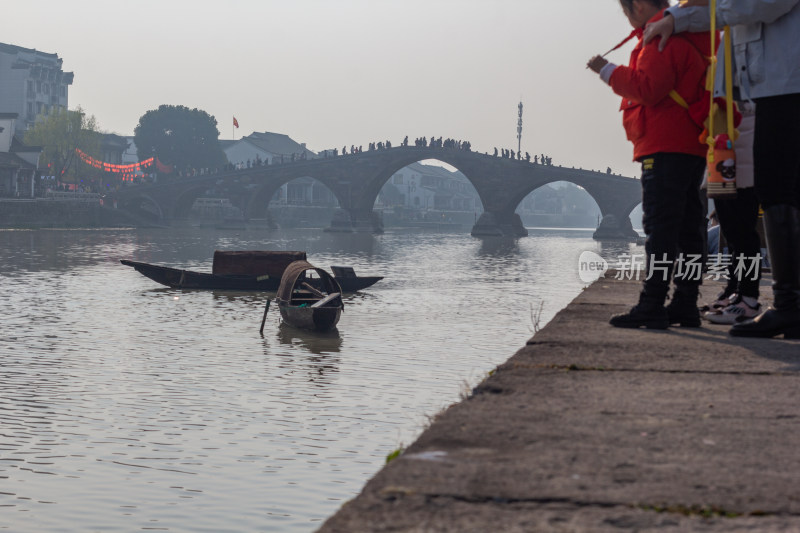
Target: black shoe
783	319
682	309
770	323
782	225
642	315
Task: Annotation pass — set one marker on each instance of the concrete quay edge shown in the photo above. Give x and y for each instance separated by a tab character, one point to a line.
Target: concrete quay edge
595	428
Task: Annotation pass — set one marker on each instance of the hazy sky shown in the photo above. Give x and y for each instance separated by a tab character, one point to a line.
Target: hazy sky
339	72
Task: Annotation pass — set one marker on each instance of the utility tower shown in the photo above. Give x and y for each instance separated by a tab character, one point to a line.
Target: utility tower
519	128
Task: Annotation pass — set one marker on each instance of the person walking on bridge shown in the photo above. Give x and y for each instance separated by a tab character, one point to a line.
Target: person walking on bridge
665	142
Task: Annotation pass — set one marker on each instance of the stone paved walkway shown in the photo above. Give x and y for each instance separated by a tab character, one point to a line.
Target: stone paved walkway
592	428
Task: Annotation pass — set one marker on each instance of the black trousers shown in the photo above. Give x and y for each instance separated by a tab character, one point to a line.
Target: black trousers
674	221
776	150
738	217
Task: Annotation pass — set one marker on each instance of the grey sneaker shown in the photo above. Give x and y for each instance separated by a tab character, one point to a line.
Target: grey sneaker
738	311
723	300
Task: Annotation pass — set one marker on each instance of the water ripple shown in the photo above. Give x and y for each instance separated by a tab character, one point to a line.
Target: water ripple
126	406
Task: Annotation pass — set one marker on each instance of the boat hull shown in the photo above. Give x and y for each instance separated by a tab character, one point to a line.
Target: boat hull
188	279
316	319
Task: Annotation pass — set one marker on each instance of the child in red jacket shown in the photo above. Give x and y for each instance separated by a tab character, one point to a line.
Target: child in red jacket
655	87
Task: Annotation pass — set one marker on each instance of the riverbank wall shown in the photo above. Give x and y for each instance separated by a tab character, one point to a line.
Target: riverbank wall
65	212
62	213
594	428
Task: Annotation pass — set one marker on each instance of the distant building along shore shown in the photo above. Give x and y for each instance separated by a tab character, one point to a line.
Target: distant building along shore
33	85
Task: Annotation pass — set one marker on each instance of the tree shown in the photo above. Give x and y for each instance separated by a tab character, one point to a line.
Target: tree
59	134
179	136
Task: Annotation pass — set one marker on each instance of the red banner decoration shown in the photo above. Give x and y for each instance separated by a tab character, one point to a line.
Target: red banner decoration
109	167
161	167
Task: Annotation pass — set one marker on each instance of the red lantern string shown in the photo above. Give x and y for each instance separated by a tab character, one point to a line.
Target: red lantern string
110	167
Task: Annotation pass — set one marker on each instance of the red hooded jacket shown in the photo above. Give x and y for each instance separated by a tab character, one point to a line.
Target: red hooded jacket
653	121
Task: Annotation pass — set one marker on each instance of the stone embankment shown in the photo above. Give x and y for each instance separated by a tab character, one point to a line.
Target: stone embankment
592	428
60	213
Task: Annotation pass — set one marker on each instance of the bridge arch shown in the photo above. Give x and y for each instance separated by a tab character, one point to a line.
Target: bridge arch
303	202
356	179
366	198
567	199
143	205
262	196
428	185
183	203
628	209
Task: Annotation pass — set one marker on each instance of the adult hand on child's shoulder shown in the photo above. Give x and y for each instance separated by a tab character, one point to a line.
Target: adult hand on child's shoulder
597	63
663	28
693	3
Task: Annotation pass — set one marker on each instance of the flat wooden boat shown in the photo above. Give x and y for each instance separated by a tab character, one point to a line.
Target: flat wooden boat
244	271
302	304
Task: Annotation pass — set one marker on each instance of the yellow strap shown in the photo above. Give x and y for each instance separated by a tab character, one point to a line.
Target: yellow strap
728	79
729	83
678	98
713	70
712	66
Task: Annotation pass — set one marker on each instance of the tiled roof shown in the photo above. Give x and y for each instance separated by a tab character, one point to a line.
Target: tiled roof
14	49
18	146
114	140
275	143
9	160
434	170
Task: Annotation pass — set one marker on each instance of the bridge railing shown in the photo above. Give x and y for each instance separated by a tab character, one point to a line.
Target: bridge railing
72	196
232	170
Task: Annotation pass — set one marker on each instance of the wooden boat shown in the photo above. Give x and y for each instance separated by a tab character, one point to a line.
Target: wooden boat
302	304
244	271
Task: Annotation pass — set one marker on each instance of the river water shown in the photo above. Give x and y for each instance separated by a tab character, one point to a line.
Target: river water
128	406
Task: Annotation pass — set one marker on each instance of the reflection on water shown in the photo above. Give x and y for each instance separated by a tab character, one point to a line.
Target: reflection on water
499	247
316	342
124	405
614	250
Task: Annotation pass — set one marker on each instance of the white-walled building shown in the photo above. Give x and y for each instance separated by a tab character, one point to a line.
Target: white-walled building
32	83
265	147
131	154
18	163
419	186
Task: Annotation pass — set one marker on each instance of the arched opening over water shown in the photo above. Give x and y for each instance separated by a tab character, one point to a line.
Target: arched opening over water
213	201
301	203
636	217
145	207
428	193
560	204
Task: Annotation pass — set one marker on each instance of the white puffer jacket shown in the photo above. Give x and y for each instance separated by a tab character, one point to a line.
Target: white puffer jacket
766	42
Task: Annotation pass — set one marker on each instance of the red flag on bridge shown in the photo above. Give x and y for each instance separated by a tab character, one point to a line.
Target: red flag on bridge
161	167
235	122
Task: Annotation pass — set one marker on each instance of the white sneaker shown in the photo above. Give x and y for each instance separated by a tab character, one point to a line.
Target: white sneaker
723	301
738	311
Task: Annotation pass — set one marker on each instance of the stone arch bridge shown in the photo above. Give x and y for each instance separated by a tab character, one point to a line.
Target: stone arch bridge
356	179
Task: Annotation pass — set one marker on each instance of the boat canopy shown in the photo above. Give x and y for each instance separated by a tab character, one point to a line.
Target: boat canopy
295	271
254	262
